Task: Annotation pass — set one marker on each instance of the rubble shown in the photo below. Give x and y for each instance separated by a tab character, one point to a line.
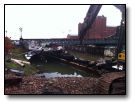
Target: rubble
59	85
109	83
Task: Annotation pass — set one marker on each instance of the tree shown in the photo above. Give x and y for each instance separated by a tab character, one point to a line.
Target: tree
8	45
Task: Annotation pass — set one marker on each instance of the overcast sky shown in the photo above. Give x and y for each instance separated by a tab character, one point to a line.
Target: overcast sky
51	21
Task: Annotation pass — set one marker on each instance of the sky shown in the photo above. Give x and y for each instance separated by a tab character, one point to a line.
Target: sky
51	21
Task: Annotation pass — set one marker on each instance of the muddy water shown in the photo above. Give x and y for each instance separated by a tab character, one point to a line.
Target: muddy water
58	69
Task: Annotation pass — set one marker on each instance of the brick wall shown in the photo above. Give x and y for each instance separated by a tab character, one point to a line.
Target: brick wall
98	29
72	36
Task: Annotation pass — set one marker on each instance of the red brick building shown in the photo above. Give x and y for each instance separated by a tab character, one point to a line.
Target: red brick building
98	29
69	36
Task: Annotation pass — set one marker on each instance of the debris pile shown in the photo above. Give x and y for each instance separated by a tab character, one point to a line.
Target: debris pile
38	85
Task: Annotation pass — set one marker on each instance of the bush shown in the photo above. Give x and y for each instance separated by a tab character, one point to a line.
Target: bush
8	45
